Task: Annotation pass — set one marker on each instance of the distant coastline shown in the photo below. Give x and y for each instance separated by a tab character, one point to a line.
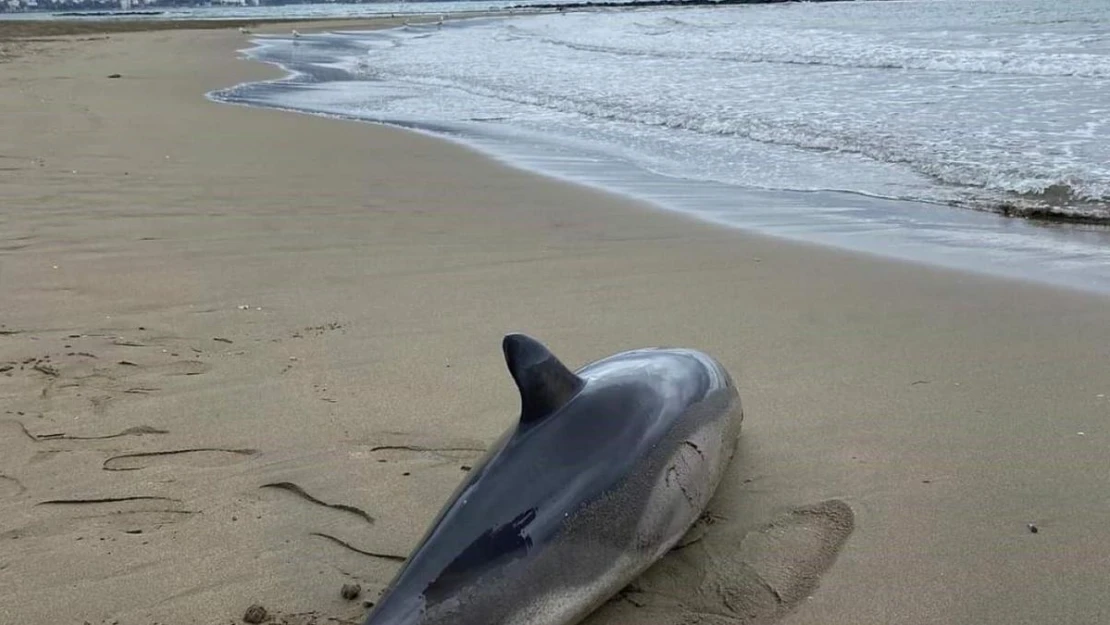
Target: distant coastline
140	8
655	3
106	13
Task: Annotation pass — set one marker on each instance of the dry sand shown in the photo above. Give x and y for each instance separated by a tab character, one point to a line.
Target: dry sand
217	320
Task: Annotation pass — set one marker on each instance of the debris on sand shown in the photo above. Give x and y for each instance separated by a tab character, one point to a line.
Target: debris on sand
255	614
350	592
46	369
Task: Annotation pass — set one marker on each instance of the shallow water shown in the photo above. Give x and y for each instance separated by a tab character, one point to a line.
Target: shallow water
858	124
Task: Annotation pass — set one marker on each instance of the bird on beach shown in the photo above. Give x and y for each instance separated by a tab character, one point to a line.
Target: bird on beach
244	31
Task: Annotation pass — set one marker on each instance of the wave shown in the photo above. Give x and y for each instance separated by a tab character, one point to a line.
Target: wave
1094	215
995	183
1057	202
841	53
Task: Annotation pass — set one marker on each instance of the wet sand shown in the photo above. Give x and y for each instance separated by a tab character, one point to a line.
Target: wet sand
243	350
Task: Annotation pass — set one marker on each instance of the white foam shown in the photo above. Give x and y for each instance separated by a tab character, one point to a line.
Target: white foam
993	105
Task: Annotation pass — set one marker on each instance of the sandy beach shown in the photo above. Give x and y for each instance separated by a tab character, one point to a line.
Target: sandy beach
246	355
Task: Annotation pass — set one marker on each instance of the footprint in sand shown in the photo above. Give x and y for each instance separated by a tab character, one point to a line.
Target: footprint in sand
729	577
83	372
195	457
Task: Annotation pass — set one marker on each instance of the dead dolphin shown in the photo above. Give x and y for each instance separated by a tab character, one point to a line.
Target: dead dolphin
603	473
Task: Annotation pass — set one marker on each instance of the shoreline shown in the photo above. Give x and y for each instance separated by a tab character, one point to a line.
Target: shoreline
1040	251
379	268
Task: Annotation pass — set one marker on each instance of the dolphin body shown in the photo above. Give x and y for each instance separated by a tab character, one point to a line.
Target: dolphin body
601	476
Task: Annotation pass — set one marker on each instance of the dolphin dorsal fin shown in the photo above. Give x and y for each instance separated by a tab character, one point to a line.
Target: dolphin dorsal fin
545	383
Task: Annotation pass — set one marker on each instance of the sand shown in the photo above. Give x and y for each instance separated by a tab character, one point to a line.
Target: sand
240	350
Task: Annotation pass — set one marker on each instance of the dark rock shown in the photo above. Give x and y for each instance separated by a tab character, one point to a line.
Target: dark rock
255	614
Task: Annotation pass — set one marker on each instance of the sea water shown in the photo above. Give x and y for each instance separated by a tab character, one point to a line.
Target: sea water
894	127
294	11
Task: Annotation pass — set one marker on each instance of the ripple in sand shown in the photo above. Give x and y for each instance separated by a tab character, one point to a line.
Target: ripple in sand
196	457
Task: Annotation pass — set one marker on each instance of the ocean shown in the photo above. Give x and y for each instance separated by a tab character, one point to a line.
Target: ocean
293	11
972	134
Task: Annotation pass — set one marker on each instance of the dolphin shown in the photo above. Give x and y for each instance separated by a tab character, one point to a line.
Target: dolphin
603	473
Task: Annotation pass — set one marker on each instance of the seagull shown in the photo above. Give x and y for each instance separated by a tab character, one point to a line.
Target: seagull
296	34
244	31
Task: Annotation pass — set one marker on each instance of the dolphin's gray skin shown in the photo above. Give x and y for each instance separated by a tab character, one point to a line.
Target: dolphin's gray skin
603	473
